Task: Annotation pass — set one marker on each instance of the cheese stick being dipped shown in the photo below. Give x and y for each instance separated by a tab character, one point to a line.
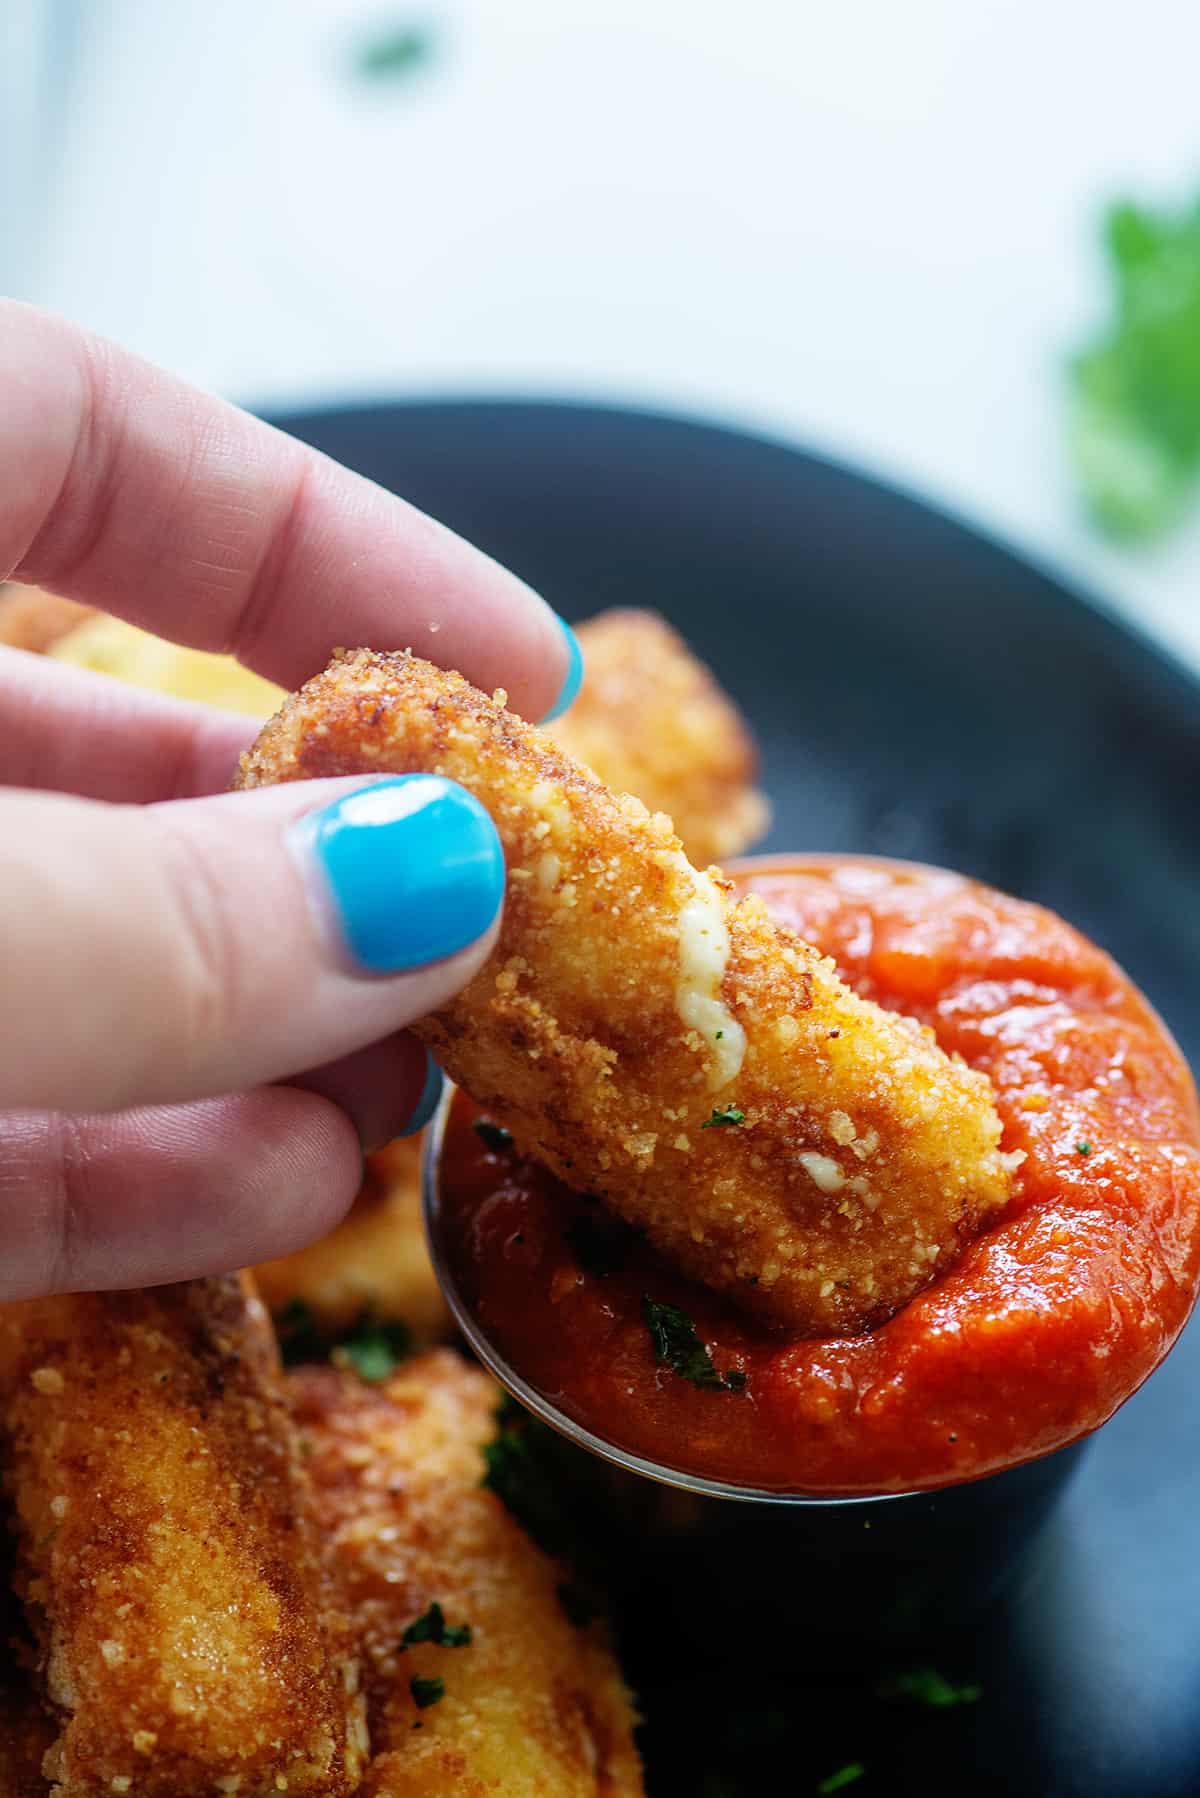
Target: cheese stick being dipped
686	1059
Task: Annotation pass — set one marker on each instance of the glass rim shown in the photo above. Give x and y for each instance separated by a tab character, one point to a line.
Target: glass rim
545	1410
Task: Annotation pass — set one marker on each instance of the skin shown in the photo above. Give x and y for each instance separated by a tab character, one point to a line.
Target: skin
131	956
857	1157
533	1705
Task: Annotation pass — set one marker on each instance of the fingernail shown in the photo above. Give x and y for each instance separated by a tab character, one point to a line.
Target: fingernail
431	1094
574	678
412	866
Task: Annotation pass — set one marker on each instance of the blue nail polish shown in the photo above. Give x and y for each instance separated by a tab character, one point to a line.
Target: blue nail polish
413	866
431	1093
574	678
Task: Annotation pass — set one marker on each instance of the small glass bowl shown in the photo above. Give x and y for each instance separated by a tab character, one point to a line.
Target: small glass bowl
884	1563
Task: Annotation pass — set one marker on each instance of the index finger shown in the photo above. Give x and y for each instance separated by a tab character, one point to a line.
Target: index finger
131	491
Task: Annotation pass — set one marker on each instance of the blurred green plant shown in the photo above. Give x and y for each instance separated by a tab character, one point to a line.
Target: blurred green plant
1135	418
395	51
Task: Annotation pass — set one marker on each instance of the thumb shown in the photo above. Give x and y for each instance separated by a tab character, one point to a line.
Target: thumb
157	954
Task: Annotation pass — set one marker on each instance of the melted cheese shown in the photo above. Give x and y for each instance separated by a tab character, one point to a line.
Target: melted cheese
703	953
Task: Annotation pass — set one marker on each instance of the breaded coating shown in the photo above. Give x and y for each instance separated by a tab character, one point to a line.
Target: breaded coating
31	618
651	720
375	1261
686	1059
165	1551
531	1704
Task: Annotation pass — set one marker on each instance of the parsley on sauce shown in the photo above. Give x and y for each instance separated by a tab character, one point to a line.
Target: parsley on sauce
677	1346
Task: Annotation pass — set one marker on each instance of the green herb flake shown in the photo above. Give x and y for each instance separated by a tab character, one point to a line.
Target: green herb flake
600	1244
1084	1149
1135	390
923	1685
845	1776
299	1338
431	1626
579	1606
677	1346
373	1349
718	1036
495	1136
395	52
517	1476
723	1115
426	1691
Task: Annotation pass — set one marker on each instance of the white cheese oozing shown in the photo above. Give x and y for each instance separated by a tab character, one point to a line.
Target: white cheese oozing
703	953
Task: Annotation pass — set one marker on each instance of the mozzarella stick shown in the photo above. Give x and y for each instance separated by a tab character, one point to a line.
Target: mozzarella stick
165	1556
681	1056
651	720
496	1691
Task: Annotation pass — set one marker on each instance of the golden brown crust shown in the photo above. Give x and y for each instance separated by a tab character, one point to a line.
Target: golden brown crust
31	618
166	1559
375	1261
651	720
628	1001
531	1704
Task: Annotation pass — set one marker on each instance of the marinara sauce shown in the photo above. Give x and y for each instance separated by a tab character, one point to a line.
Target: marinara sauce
1050	1319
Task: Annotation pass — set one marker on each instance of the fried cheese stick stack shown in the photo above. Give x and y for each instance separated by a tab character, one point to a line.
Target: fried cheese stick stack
651	720
685	1058
529	1703
375	1262
165	1555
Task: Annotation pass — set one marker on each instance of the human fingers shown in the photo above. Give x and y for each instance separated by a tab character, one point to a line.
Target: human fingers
142	1197
163	953
129	490
72	731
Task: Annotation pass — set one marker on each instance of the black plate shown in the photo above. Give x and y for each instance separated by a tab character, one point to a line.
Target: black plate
917	691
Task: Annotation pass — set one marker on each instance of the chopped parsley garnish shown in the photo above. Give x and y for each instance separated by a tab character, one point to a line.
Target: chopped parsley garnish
394	52
299	1338
718	1036
1135	424
426	1691
845	1776
600	1244
923	1685
372	1348
677	1346
517	1474
580	1607
723	1115
496	1137
1083	1148
431	1626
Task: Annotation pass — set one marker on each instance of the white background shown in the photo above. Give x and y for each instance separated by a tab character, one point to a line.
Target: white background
865	225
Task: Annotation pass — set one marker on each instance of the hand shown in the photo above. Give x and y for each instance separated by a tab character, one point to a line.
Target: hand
171	952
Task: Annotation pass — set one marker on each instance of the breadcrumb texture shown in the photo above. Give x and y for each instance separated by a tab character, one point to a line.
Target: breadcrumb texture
165	1554
31	618
533	1707
650	719
375	1261
696	1065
